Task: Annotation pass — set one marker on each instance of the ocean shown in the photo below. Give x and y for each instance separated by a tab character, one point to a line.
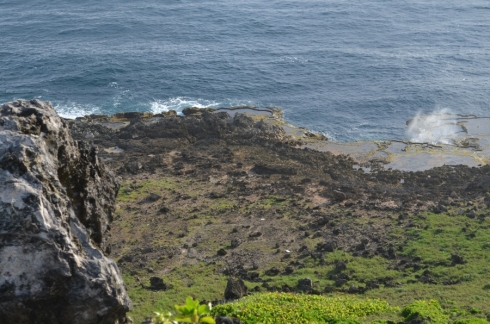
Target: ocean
353	70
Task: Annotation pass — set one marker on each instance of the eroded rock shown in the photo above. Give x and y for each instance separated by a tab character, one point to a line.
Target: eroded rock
56	202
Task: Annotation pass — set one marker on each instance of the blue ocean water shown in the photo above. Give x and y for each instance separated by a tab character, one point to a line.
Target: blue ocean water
351	69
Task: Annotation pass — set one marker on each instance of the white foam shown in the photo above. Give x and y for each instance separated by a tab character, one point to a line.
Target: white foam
438	127
179	103
72	110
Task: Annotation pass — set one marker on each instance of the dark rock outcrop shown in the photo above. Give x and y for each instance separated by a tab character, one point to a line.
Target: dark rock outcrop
235	289
56	203
157	283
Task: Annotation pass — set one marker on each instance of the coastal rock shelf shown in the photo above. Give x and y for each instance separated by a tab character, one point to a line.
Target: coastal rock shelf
455	139
56	203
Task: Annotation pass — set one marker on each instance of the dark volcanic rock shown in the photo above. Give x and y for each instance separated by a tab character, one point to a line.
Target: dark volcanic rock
235	289
305	285
56	202
157	283
273	169
227	320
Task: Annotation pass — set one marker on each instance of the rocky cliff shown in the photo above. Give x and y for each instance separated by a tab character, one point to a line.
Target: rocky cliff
56	203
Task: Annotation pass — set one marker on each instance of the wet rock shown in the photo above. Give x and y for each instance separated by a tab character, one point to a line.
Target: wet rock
235	289
157	284
133	115
57	200
196	111
170	113
222	115
472	214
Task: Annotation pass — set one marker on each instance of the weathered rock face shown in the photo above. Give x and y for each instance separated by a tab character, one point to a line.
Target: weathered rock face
56	202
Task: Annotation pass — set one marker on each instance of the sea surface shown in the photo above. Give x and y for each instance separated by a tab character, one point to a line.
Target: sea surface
354	70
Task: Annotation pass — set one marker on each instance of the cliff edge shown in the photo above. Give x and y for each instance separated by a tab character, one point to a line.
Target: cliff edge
56	203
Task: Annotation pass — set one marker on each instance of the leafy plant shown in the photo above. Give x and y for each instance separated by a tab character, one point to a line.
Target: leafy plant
162	318
297	308
471	321
190	312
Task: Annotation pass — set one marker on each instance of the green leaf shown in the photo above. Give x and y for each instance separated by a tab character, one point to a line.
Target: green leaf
207	320
203	309
191	302
183	319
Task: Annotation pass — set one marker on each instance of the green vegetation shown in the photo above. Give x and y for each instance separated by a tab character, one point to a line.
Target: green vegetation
198	280
426	266
133	192
280	308
296	308
190	312
425	311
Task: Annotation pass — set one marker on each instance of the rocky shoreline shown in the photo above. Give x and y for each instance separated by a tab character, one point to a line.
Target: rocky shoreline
238	192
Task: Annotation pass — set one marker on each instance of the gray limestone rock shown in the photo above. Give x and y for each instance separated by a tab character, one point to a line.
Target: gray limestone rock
56	203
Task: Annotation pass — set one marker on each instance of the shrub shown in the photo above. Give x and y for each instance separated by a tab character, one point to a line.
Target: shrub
425	311
471	321
190	312
297	308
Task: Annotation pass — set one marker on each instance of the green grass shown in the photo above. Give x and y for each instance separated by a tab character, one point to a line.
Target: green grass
437	237
432	241
129	192
198	280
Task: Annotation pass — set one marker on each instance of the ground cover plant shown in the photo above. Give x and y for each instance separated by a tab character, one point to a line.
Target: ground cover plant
298	308
280	308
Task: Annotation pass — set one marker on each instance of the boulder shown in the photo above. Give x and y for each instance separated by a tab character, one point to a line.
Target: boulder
157	283
235	289
305	285
56	203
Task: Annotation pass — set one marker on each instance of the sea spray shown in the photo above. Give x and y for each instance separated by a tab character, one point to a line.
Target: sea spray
438	127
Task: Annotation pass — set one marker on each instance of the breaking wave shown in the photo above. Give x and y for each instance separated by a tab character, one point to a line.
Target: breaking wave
179	103
72	110
438	127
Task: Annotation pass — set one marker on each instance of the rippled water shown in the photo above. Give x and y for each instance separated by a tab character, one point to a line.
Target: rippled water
351	69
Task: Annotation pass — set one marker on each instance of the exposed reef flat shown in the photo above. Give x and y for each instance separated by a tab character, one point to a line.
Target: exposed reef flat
217	193
464	139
